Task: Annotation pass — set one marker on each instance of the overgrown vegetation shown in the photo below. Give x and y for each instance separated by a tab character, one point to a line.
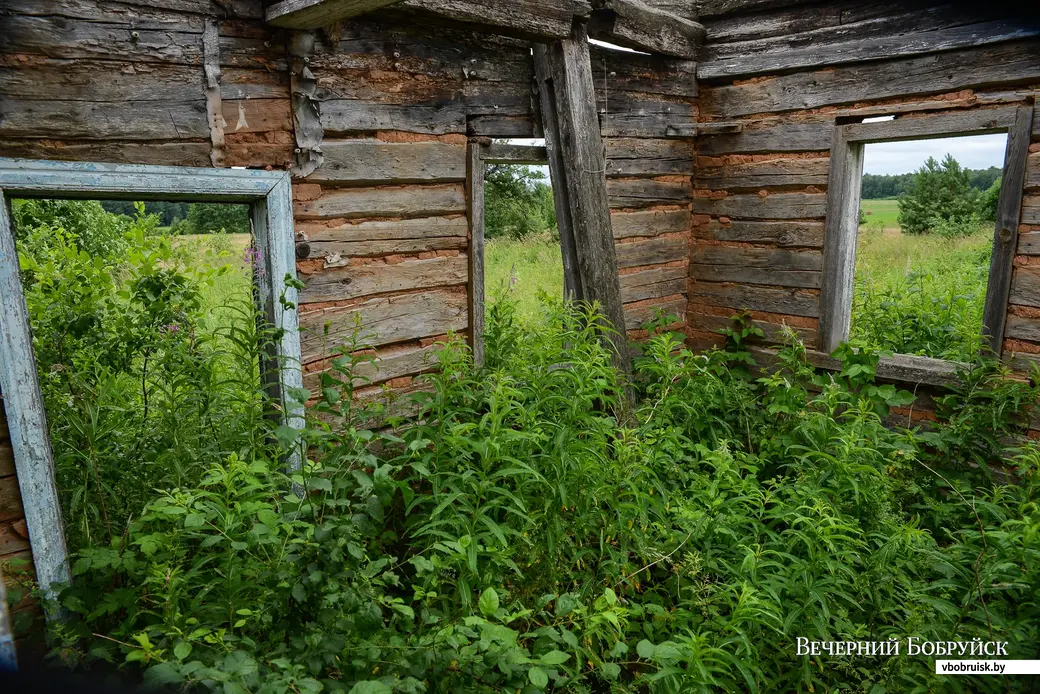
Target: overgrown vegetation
516	537
146	351
921	295
939	199
517	203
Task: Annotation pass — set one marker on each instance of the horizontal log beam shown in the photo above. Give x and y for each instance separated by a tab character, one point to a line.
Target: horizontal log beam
634	24
538	20
314	14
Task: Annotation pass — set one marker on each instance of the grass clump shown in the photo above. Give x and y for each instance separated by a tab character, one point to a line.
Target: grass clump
516	537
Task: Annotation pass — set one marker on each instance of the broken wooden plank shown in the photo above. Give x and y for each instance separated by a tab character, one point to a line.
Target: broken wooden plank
315	14
389	201
771	206
636	25
355	281
649	223
357	162
384	320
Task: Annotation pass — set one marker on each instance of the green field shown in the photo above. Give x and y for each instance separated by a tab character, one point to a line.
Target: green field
523	270
885	212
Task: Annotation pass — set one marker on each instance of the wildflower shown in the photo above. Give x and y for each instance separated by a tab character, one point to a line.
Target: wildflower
171	329
255	257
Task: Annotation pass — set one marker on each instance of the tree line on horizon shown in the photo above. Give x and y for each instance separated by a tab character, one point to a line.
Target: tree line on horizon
878	186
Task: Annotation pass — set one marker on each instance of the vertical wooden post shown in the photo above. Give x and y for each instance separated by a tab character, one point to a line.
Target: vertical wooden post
1005	235
577	161
475	203
839	244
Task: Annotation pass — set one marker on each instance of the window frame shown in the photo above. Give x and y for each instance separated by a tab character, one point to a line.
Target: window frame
269	195
843	202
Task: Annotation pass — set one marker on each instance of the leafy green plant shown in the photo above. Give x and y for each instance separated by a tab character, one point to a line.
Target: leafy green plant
939	192
515	536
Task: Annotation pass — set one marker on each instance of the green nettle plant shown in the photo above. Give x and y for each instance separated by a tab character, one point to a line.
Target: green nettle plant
515	536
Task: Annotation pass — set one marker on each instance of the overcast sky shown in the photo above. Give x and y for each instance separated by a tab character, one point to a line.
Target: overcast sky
975	152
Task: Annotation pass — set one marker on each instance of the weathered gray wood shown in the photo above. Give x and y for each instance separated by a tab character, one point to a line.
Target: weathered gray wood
306	111
214	108
719	128
31	178
85	120
636	156
27	420
792	302
1033	170
503	126
1029	243
617	71
314	14
651	282
565	80
391	363
771	206
496	153
652	251
539	20
338	253
634	115
764	174
358	162
637	25
774	331
355	281
838	45
637	316
1005	238
384	320
771	136
716	8
1022	328
168	14
475	200
990	66
974	122
783	234
839	246
404	201
349	116
1031	209
900	368
572	289
194	154
782	268
1025	286
385	230
629	193
751	275
649	223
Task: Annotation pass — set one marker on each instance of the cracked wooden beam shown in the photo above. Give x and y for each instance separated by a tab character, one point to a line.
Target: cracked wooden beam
314	14
537	20
636	25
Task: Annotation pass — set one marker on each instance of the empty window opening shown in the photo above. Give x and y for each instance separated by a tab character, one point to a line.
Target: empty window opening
146	344
523	260
924	245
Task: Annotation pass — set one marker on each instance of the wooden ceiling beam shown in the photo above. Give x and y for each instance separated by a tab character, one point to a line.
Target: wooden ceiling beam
314	14
636	25
536	20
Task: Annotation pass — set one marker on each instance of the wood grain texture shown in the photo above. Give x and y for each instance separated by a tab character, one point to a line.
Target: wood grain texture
771	136
384	321
1005	239
642	192
779	233
636	25
649	223
989	66
763	174
632	156
360	162
391	363
476	295
772	206
905	35
400	201
314	14
540	20
652	251
790	302
352	282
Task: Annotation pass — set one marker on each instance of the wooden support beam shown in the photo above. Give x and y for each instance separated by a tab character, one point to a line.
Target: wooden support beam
577	161
538	20
721	128
313	14
634	24
475	194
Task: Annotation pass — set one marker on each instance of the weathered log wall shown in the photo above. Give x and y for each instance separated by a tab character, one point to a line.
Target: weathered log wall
786	73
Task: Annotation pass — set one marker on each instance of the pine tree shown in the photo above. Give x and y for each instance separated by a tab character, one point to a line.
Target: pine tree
938	194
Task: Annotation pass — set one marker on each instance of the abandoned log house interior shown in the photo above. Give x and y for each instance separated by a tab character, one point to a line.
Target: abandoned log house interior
705	159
